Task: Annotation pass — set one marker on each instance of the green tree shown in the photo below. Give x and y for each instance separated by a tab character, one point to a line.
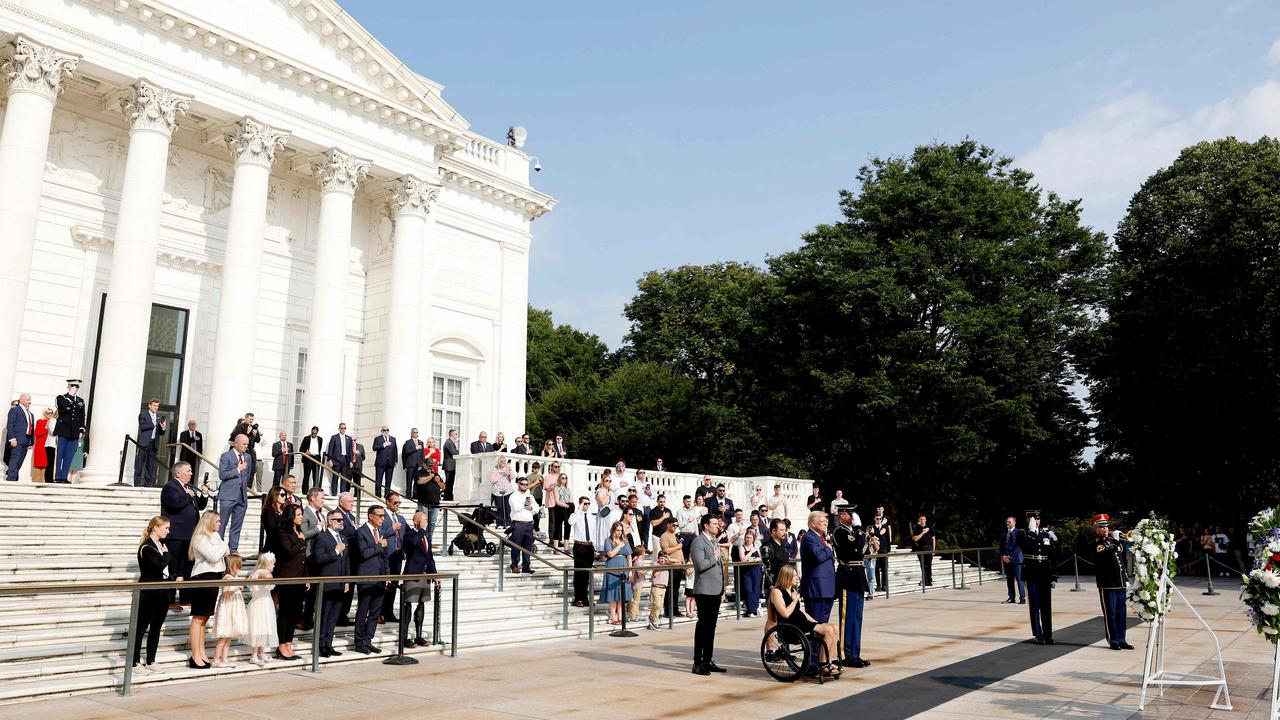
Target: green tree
1185	375
925	342
559	353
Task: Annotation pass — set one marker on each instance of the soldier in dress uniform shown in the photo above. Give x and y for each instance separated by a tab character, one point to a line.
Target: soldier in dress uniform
1111	581
1040	572
850	544
69	429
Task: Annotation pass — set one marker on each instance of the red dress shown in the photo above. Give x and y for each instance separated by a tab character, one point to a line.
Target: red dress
433	456
42	433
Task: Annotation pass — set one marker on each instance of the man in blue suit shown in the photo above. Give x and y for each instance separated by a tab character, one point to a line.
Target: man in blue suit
818	570
21	428
418	558
235	472
371	559
151	428
339	456
1011	556
182	505
329	555
385	452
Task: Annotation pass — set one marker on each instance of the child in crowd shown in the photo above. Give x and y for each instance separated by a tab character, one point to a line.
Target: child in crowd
262	612
230	619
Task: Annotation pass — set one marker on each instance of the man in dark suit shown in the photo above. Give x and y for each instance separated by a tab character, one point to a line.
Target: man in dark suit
448	453
329	558
385	448
482	445
182	505
151	429
314	521
346	509
281	457
559	449
69	429
21	429
418	558
1011	557
235	473
817	568
338	455
195	440
371	559
357	465
522	446
411	458
393	529
721	505
313	448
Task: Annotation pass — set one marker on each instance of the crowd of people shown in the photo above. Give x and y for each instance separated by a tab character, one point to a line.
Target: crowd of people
54	439
1226	547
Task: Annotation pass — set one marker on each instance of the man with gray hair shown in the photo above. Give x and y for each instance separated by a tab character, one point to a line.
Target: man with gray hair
235	470
21	434
182	505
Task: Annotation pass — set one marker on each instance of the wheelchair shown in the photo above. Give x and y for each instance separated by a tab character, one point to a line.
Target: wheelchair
788	654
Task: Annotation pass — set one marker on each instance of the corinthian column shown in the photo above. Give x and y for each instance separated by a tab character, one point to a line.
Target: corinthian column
339	174
253	146
35	77
411	200
153	113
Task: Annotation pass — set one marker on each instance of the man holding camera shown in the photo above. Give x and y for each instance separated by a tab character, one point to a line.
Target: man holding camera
523	509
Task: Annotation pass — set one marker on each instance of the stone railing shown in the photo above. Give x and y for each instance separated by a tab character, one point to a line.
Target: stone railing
496	157
472	483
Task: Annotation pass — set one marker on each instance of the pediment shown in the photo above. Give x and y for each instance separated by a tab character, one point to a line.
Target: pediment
310	36
458	347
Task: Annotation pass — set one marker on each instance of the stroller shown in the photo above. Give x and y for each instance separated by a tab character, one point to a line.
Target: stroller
470	540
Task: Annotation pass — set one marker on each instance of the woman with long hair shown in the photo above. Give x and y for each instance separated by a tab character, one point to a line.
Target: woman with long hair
432	455
272	518
291	562
784	608
548	449
153	605
500	443
209	551
616	590
750	575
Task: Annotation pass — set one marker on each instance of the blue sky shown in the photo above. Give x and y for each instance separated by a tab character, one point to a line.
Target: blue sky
692	132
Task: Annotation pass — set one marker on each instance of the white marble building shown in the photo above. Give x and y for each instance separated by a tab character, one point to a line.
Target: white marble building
252	205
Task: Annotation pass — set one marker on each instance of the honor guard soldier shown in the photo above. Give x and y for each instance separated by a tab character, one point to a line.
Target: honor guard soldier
1111	581
850	544
1039	571
69	429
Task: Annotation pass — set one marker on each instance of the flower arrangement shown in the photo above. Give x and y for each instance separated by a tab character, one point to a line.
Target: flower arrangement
1152	544
1261	591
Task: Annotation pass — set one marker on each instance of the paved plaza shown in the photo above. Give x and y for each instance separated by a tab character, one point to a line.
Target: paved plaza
947	655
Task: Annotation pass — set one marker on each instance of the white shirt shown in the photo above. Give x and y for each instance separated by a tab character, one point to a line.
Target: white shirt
153	424
517	501
313	445
687	519
777	506
736	532
581	524
648	499
837	504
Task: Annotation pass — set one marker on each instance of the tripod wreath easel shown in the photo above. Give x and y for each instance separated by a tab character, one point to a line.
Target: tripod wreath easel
1153	671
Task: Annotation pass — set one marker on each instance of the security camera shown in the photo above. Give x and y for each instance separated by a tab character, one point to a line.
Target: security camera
537	167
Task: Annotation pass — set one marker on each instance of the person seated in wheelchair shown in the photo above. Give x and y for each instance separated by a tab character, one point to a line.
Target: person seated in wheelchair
784	609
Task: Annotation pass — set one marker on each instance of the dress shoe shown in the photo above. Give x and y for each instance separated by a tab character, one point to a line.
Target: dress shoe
854	663
419	641
1049	641
390	619
1007	602
1114	647
362	650
701	670
325	654
1023	601
191	663
1037	641
373	649
1125	646
277	655
710	665
334	653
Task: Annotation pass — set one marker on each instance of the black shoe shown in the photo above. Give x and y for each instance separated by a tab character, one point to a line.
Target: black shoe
344	622
1023	601
851	663
1114	647
701	670
710	665
1037	641
677	614
325	653
373	649
191	663
1049	641
334	653
389	618
1006	602
363	650
419	641
305	627
1125	646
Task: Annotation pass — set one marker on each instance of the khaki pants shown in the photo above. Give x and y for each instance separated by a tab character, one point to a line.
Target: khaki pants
657	595
633	606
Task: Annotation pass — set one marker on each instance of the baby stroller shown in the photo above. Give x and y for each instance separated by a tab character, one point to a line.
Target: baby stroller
471	540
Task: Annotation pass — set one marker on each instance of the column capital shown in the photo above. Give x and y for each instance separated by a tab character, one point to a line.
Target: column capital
340	171
37	68
152	107
411	195
253	142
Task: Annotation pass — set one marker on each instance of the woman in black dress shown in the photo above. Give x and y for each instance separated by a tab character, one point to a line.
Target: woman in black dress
153	605
784	609
291	562
272	519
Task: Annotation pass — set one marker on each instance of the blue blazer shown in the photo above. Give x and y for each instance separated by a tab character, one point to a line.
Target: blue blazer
182	509
1009	546
235	483
18	426
334	450
371	557
416	558
145	426
325	557
384	454
395	540
818	572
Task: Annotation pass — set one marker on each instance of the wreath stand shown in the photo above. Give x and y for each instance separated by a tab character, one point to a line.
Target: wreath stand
1275	686
1153	672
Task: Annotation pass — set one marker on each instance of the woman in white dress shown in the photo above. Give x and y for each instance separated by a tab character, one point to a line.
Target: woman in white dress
262	612
605	517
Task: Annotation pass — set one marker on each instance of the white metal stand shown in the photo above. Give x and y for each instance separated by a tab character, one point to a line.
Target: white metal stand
1275	686
1153	672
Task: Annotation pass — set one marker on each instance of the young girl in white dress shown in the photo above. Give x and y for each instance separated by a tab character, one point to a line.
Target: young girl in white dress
262	612
230	619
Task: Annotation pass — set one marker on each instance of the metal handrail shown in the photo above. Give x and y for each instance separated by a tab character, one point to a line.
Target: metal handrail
204	458
124	451
136	589
501	537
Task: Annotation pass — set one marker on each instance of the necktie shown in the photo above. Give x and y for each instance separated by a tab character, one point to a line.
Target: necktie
586	526
425	547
